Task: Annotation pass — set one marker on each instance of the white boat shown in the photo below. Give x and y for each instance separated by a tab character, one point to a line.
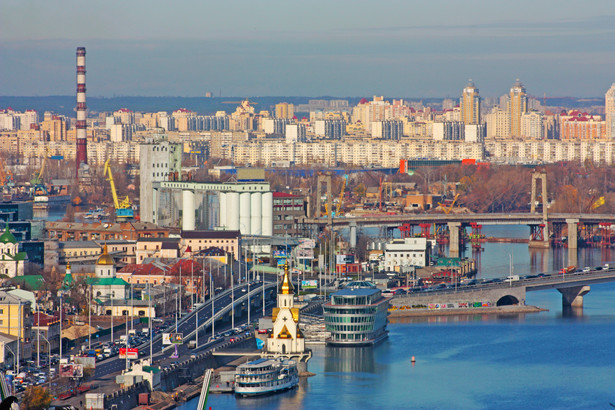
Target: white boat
265	376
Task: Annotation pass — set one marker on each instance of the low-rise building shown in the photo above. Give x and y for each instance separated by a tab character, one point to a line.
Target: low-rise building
406	252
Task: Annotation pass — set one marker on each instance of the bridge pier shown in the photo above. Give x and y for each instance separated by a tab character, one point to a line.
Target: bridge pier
573	234
573	297
453	233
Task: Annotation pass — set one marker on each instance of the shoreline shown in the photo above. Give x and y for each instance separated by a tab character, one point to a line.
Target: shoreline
500	310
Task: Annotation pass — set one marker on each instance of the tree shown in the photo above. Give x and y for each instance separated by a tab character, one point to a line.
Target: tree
36	398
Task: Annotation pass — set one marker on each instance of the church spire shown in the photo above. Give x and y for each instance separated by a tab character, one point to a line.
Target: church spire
287	285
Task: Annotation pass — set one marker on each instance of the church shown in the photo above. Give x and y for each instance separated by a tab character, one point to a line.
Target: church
286	339
11	260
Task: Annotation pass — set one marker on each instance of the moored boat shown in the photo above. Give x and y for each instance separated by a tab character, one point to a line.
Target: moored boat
265	376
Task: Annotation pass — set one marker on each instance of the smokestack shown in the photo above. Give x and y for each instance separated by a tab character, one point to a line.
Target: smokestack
82	151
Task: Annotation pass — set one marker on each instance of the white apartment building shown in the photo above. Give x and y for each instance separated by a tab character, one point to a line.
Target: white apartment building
295	133
532	125
406	252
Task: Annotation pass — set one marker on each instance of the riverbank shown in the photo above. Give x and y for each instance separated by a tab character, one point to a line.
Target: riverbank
499	310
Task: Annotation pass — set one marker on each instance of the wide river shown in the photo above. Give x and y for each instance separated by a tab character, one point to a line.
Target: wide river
535	361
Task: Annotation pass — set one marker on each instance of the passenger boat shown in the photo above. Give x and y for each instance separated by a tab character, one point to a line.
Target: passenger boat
265	376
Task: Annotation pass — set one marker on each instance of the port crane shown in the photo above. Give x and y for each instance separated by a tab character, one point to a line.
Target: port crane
122	209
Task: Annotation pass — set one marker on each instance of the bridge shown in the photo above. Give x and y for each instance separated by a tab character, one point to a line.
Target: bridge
573	286
538	222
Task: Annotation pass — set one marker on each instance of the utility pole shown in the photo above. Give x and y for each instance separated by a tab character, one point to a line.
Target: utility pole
232	297
211	298
149	291
90	318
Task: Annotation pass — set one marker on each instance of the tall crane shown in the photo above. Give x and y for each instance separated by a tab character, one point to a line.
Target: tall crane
122	209
341	198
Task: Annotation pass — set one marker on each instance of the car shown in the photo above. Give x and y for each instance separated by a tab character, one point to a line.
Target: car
598	268
587	269
262	331
232	339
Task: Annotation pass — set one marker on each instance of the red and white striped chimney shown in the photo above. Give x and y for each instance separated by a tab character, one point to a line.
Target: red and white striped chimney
82	150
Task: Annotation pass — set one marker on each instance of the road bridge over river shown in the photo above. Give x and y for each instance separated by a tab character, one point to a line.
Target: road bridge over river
455	222
572	286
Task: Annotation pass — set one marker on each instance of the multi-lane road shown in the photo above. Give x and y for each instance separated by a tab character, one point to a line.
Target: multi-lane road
187	325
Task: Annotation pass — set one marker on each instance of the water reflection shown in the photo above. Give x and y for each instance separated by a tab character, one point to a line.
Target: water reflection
291	399
478	317
350	360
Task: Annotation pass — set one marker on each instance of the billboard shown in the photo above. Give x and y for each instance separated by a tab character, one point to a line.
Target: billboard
71	370
309	284
87	362
172	338
344	259
133	353
307	243
303	253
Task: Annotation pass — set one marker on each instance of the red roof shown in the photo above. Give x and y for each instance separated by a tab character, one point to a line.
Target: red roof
363	101
44	319
284	195
141	270
188	266
124	110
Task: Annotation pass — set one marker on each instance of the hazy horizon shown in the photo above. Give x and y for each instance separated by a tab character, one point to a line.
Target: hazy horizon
343	48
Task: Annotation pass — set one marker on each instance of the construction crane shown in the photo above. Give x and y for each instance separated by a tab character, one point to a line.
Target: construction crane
447	210
122	209
341	197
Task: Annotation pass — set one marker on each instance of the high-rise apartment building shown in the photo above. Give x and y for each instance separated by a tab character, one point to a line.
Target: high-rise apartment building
532	125
284	111
517	106
470	104
498	124
609	110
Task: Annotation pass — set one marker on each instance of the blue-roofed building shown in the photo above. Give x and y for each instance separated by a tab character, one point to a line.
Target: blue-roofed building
356	315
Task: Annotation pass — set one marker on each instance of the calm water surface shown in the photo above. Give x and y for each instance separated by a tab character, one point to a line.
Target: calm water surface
546	360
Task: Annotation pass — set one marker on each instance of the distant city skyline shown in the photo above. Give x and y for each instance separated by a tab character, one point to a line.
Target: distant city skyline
344	49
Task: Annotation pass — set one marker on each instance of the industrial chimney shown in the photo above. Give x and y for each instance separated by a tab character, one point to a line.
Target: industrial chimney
82	151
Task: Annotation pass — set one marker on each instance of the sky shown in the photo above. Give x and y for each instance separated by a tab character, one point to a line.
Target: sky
340	48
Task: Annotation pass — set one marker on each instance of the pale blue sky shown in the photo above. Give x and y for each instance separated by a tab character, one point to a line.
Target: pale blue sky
334	47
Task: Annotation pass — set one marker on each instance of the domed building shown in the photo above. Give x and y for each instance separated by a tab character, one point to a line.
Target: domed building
11	260
105	285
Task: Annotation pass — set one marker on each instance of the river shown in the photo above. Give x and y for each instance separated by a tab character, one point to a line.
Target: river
543	360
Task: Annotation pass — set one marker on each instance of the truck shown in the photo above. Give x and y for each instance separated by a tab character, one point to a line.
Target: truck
512	278
569	269
192	344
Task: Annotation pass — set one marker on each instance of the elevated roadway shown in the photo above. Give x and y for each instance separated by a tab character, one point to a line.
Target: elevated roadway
485	219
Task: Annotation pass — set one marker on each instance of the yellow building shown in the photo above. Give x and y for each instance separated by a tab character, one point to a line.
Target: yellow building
470	104
16	320
284	110
517	106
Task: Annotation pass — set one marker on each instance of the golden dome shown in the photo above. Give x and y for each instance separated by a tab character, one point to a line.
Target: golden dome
105	258
287	285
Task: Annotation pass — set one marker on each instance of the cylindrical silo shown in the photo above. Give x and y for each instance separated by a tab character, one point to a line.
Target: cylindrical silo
244	213
257	213
188	222
267	210
232	213
223	205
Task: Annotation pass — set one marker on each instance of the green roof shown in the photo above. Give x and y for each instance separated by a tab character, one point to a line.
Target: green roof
106	281
33	282
68	280
7	236
151	369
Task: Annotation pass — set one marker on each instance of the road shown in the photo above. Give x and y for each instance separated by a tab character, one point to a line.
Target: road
187	325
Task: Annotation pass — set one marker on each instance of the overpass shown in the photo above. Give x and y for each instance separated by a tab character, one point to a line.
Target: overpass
572	286
454	223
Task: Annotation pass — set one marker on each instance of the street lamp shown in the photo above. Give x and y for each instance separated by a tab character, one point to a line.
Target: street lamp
49	359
